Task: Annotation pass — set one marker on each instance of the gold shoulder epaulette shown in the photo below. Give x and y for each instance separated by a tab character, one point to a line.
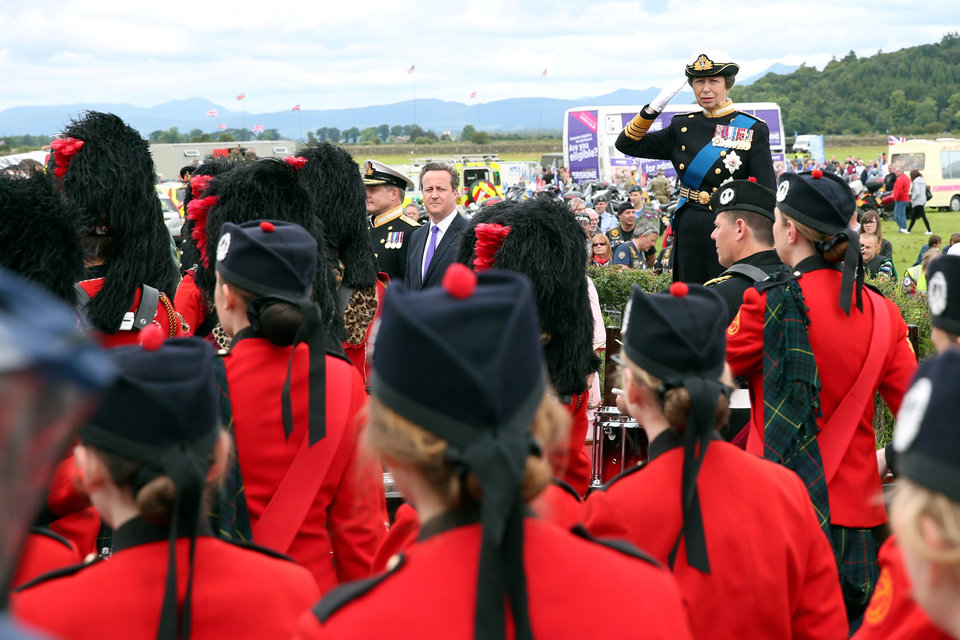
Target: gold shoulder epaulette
410	222
718	280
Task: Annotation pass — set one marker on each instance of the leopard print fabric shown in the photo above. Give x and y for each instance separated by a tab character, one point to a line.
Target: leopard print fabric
359	313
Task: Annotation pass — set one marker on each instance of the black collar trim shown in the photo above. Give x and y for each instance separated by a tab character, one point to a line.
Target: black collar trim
138	531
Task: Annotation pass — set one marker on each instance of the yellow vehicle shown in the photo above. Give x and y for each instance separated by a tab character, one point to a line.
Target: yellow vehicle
472	169
939	163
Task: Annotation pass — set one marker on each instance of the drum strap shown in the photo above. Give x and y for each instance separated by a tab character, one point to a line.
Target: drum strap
837	433
753	272
288	508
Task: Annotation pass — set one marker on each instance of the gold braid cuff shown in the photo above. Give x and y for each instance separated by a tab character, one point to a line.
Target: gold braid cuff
637	128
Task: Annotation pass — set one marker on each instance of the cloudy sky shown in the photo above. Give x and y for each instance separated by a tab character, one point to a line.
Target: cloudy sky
329	54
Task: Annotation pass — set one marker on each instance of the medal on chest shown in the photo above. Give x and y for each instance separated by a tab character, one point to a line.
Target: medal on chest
394	240
732	137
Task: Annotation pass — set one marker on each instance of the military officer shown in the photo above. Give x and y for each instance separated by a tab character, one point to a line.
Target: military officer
708	148
743	233
389	228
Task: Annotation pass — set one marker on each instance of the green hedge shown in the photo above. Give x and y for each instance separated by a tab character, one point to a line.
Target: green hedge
614	286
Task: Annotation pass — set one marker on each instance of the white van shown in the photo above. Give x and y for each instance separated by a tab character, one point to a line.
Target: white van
802	143
938	161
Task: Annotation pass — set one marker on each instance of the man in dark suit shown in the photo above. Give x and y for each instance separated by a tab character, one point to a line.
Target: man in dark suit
434	245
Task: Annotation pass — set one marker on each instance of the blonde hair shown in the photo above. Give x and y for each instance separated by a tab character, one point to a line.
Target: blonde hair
392	436
913	503
676	402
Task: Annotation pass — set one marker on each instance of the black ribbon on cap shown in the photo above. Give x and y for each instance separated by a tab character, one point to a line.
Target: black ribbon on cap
700	422
497	460
310	332
852	266
187	469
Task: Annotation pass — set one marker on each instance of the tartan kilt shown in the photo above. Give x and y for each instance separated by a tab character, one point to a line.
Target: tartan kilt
856	553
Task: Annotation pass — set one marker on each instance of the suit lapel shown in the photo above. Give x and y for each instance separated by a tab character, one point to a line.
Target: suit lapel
415	258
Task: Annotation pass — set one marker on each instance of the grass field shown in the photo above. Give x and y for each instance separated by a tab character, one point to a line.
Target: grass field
906	247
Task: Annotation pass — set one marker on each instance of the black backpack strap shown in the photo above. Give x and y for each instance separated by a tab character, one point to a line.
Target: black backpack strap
754	273
149	297
83	299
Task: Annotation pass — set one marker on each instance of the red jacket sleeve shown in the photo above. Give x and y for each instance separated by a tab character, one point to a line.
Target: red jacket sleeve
745	335
402	535
357	517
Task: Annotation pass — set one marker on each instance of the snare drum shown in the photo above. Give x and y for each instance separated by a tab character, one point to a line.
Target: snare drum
618	444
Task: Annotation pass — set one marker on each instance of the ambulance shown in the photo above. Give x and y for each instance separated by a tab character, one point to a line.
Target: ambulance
472	169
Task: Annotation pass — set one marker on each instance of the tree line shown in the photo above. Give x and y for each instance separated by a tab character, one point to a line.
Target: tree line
912	91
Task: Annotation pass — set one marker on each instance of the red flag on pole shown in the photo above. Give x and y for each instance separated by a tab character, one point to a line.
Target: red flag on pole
222	126
412	67
211	113
544	73
243	95
473	95
296	107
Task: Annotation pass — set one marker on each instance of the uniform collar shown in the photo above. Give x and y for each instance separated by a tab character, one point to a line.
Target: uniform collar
725	109
95	271
814	263
138	531
384	218
767	256
667	441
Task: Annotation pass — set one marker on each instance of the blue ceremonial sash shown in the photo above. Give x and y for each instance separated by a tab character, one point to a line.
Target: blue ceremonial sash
707	157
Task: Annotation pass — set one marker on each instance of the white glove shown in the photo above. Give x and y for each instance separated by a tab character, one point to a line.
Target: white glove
665	96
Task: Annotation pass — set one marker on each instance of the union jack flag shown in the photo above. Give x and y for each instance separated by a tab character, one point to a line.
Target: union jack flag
257	128
895	139
241	96
296	107
222	126
412	67
473	95
211	113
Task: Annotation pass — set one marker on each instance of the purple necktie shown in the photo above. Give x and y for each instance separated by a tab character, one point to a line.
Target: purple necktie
430	248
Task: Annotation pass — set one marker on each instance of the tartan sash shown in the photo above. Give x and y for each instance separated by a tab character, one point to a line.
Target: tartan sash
791	390
791	405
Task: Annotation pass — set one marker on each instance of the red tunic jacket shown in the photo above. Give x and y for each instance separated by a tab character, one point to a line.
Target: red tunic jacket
44	551
191	302
577	465
839	345
162	318
772	575
237	593
346	521
893	614
559	503
432	593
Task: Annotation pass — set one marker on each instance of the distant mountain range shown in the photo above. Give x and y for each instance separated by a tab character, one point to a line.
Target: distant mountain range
515	114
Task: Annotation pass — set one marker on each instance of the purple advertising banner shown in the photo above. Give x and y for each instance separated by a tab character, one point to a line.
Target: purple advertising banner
582	157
